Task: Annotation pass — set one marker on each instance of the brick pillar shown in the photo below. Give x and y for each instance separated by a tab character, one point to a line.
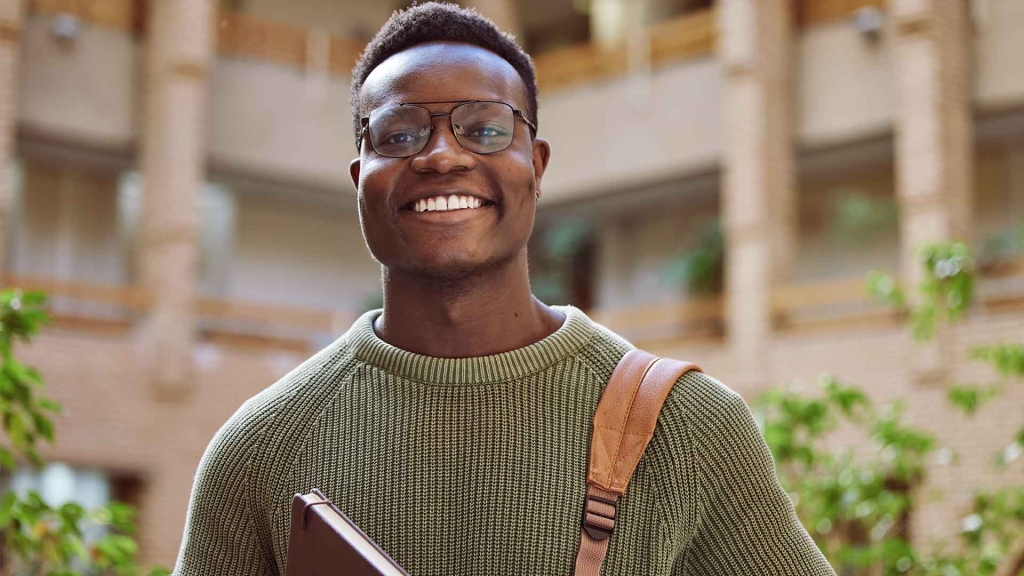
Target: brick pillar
180	44
758	188
504	13
10	48
934	138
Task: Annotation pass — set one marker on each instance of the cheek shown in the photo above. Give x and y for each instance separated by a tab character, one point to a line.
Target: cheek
516	174
373	176
375	180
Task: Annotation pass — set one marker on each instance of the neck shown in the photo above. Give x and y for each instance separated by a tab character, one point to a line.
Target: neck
480	315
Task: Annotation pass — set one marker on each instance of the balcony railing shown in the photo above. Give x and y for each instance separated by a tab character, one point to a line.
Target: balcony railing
696	319
115	310
244	35
831	305
818	11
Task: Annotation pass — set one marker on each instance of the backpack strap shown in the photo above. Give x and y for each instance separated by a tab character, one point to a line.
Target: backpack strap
623	426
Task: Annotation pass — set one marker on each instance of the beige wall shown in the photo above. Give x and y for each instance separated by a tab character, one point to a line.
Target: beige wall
82	91
277	122
300	255
619	134
844	89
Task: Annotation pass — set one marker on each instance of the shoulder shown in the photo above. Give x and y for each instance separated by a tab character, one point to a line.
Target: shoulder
705	405
697	398
295	393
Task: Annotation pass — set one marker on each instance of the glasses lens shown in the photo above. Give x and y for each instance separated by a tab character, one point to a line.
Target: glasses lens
399	131
484	127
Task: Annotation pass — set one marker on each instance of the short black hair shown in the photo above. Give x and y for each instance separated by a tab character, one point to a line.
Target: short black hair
441	22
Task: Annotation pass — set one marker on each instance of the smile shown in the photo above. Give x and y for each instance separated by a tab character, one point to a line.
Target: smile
446	203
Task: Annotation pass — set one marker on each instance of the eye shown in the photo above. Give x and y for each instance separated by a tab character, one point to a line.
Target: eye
487	131
400	137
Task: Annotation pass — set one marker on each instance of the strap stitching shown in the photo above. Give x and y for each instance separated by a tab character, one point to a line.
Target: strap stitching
629	412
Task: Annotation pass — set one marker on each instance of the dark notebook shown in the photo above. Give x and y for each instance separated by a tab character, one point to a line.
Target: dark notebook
324	541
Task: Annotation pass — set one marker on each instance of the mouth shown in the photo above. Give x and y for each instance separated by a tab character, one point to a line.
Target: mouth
447	203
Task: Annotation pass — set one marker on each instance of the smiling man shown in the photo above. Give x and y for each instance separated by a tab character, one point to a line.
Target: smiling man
453	426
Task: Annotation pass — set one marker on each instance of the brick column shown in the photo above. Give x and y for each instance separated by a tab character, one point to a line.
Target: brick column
180	44
504	13
10	48
758	188
934	138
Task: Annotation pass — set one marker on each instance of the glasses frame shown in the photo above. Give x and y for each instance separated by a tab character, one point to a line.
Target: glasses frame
364	122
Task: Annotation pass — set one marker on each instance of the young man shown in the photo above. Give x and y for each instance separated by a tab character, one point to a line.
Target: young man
454	425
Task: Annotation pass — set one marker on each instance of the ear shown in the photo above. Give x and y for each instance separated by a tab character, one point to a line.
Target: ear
541	157
353	171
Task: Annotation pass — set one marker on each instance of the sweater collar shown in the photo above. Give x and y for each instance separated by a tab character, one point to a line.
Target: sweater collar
574	333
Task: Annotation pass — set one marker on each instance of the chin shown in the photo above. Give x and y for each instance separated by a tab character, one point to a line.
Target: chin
453	267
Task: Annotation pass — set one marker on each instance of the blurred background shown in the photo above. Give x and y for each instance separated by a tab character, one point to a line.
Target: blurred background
174	174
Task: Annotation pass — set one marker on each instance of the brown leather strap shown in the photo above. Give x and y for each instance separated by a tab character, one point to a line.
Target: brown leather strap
623	426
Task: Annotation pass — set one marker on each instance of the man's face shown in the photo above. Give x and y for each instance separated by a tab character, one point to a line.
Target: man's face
455	243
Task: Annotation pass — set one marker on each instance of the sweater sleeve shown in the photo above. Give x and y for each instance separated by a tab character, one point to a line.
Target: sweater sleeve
747	522
220	536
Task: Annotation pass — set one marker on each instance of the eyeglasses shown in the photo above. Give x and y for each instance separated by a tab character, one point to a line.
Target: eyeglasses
403	130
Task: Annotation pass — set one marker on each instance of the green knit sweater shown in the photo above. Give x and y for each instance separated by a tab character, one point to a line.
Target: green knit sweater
477	466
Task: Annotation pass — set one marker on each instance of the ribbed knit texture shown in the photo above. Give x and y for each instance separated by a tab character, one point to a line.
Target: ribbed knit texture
477	466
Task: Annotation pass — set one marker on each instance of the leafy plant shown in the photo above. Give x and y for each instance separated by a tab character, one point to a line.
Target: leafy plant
700	269
1008	243
38	538
557	248
945	293
857	216
857	504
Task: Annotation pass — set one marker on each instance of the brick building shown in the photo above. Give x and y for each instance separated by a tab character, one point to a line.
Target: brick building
174	173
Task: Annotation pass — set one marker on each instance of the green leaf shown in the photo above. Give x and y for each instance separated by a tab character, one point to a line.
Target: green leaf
7	460
72	512
966	399
43	425
1007	359
885	290
7	503
33	298
49	404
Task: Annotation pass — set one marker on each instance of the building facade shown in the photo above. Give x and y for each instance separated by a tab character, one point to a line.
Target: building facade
174	174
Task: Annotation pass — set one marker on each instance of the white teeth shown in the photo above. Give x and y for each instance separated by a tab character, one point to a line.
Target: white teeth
447	203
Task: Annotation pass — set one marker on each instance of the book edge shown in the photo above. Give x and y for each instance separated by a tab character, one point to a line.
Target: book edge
347	529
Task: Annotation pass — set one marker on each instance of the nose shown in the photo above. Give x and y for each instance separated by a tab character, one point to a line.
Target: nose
443	153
